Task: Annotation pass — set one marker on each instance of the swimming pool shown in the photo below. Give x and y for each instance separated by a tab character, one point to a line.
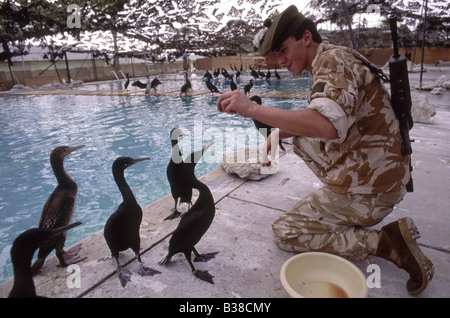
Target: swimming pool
109	127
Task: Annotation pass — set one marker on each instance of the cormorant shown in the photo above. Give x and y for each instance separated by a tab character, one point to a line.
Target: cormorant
267	128
175	174
208	75
276	74
22	252
225	74
191	228
216	72
155	83
127	82
254	73
139	84
187	85
233	85
261	74
58	211
248	87
268	75
180	171
122	228
211	86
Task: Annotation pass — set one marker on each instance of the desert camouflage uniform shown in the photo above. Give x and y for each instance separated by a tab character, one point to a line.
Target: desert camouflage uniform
363	170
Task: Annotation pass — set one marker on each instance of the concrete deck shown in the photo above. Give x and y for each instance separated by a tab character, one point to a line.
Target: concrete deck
248	262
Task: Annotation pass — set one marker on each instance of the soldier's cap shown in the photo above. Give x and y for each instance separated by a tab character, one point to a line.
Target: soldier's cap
283	26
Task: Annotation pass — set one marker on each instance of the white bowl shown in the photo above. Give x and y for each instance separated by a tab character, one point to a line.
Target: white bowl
322	275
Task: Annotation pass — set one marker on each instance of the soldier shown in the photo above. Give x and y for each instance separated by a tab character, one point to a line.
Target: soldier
349	136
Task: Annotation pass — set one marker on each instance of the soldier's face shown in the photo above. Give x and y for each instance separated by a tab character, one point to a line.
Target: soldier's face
293	55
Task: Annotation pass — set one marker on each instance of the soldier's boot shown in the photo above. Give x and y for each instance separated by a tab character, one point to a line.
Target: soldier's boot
398	244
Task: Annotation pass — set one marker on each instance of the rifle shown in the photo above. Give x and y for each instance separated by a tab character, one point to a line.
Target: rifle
400	90
401	94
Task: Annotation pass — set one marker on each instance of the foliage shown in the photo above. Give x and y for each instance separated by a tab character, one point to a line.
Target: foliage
204	27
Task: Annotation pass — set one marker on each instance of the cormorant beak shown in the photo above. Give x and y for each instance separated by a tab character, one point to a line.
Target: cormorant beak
72	149
138	160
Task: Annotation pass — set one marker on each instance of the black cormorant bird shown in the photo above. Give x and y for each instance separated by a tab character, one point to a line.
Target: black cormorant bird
216	72
208	75
155	83
248	87
276	74
175	174
267	128
187	85
211	86
22	252
233	85
58	211
139	84
268	75
254	73
225	74
127	82
191	228
179	171
122	228
261	74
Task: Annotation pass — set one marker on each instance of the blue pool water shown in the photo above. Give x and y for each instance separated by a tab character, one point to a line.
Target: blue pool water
109	127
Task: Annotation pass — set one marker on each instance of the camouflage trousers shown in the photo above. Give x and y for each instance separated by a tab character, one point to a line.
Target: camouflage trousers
335	223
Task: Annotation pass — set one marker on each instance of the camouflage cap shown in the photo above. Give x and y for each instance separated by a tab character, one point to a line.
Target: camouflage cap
283	26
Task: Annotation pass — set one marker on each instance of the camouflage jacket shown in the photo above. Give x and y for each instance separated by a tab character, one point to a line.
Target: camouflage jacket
366	157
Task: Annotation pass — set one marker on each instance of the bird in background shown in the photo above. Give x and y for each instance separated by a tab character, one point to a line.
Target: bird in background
139	84
155	83
58	211
254	73
213	89
127	81
22	251
193	225
248	87
207	75
277	75
264	129
233	85
187	86
121	230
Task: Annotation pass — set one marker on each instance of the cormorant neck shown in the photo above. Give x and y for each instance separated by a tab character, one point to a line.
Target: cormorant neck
23	280
125	190
64	180
176	152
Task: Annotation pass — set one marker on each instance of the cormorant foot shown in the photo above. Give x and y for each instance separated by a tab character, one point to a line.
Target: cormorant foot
146	271
205	257
174	215
124	276
164	261
204	275
70	256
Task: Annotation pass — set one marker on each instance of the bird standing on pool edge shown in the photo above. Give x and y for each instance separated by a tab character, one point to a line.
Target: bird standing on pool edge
22	252
58	211
193	225
122	228
180	171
